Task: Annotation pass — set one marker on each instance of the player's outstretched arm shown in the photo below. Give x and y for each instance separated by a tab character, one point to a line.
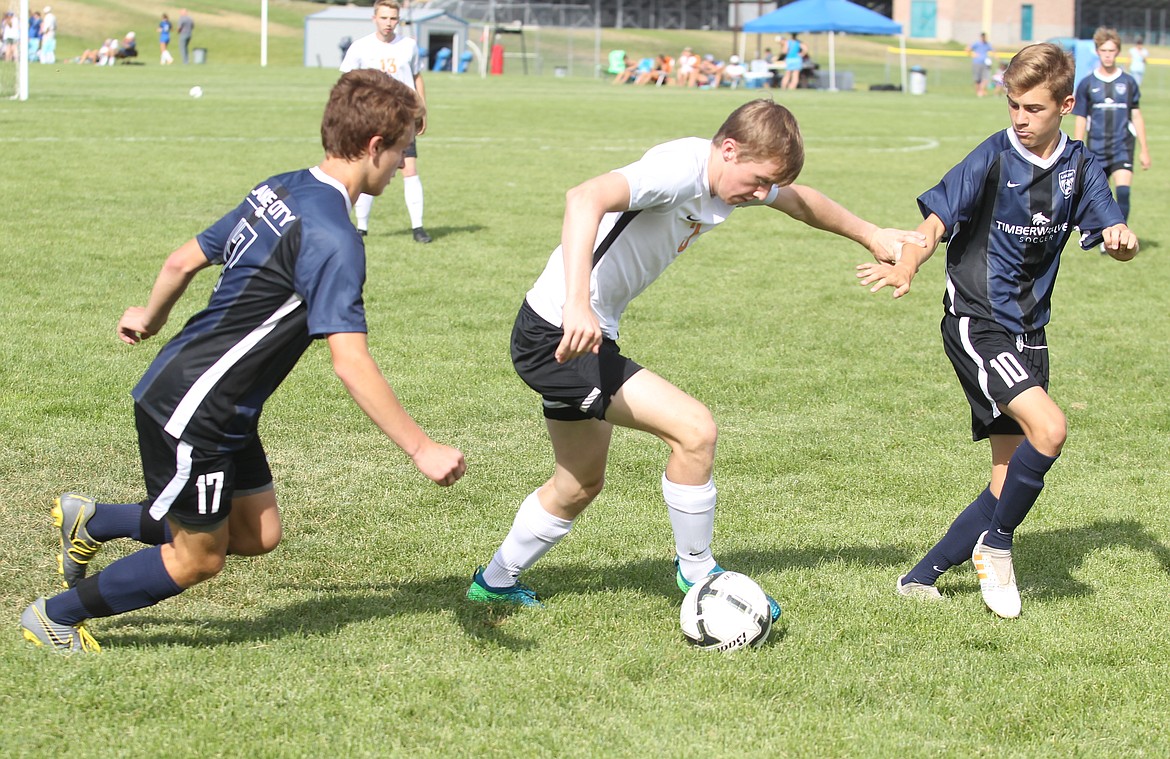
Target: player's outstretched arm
139	323
363	379
817	210
585	205
909	259
1120	242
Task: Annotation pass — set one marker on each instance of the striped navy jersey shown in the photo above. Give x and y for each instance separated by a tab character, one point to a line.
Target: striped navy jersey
1008	214
1107	104
293	270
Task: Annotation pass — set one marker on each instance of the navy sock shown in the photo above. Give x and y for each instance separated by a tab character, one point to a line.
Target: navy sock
1021	488
1123	200
134	582
127	520
956	546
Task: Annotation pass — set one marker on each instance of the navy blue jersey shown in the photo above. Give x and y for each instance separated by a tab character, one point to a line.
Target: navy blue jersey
293	270
1008	214
1107	105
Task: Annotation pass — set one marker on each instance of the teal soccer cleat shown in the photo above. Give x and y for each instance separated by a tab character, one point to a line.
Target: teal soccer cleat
684	585
517	595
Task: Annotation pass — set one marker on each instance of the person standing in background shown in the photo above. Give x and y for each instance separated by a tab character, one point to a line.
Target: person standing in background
980	53
397	56
186	26
1137	60
164	40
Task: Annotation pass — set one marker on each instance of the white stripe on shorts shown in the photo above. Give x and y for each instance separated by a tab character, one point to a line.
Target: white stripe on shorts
162	504
965	335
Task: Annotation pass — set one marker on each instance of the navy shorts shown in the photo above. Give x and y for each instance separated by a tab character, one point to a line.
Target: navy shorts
994	366
192	486
575	390
411	150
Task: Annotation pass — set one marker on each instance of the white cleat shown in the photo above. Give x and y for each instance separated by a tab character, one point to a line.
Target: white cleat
917	590
997	579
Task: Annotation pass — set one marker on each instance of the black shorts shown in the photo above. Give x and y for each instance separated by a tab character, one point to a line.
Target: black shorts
411	150
1119	161
575	390
994	366
192	486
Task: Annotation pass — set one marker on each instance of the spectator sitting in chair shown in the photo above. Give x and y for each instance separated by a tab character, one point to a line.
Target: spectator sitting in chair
709	73
660	73
128	49
629	73
734	72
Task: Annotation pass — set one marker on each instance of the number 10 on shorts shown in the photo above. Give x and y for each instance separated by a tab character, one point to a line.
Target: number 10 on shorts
1008	367
209	484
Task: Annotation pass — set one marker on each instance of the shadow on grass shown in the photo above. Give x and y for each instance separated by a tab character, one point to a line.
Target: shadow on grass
1045	561
335	605
1049	559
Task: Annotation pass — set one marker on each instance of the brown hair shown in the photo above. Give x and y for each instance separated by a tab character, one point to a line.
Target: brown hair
764	130
365	103
1106	34
1041	65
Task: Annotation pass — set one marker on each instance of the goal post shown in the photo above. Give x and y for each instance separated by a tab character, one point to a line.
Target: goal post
14	80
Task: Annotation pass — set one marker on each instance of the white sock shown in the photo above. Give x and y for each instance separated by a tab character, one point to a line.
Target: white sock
533	533
692	516
361	209
412	191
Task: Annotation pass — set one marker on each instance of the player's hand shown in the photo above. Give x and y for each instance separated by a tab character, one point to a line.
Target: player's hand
582	333
886	244
442	464
1120	242
1144	157
881	275
133	327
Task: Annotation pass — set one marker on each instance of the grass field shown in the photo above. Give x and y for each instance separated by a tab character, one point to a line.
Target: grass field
844	452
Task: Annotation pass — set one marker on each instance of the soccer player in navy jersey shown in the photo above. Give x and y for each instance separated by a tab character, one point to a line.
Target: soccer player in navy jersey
621	230
1006	212
1108	109
293	268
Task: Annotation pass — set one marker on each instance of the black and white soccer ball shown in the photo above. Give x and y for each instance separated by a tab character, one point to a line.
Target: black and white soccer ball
726	611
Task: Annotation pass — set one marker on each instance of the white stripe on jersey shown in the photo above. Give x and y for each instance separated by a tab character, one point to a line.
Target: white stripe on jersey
214	373
162	504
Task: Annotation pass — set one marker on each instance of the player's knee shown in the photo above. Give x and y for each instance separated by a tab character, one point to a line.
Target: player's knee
192	568
1050	436
698	433
257	544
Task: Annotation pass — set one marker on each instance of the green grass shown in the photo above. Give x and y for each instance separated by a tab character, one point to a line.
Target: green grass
843	452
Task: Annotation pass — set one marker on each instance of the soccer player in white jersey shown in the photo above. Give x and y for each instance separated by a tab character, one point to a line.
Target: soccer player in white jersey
398	56
621	230
1006	212
292	271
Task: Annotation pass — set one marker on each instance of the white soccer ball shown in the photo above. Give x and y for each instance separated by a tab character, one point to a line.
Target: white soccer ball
195	92
726	611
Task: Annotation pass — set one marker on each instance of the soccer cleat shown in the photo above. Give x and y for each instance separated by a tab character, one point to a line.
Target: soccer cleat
917	590
71	512
362	232
997	579
517	595
684	585
420	235
39	630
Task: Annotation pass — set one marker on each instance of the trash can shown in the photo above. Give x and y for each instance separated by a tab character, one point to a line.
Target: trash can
199	55
917	80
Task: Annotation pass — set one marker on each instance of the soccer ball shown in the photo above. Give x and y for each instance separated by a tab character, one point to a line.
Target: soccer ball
195	92
726	611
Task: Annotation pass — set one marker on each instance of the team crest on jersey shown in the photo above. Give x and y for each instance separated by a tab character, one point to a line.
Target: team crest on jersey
1067	180
1040	219
1119	88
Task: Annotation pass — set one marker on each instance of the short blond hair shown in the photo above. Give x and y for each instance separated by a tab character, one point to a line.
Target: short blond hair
1041	65
764	130
1106	34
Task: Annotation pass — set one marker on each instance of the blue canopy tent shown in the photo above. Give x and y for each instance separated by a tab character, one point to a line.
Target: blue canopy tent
830	16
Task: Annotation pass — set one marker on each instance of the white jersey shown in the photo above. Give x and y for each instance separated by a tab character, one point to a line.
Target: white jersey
670	206
399	57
